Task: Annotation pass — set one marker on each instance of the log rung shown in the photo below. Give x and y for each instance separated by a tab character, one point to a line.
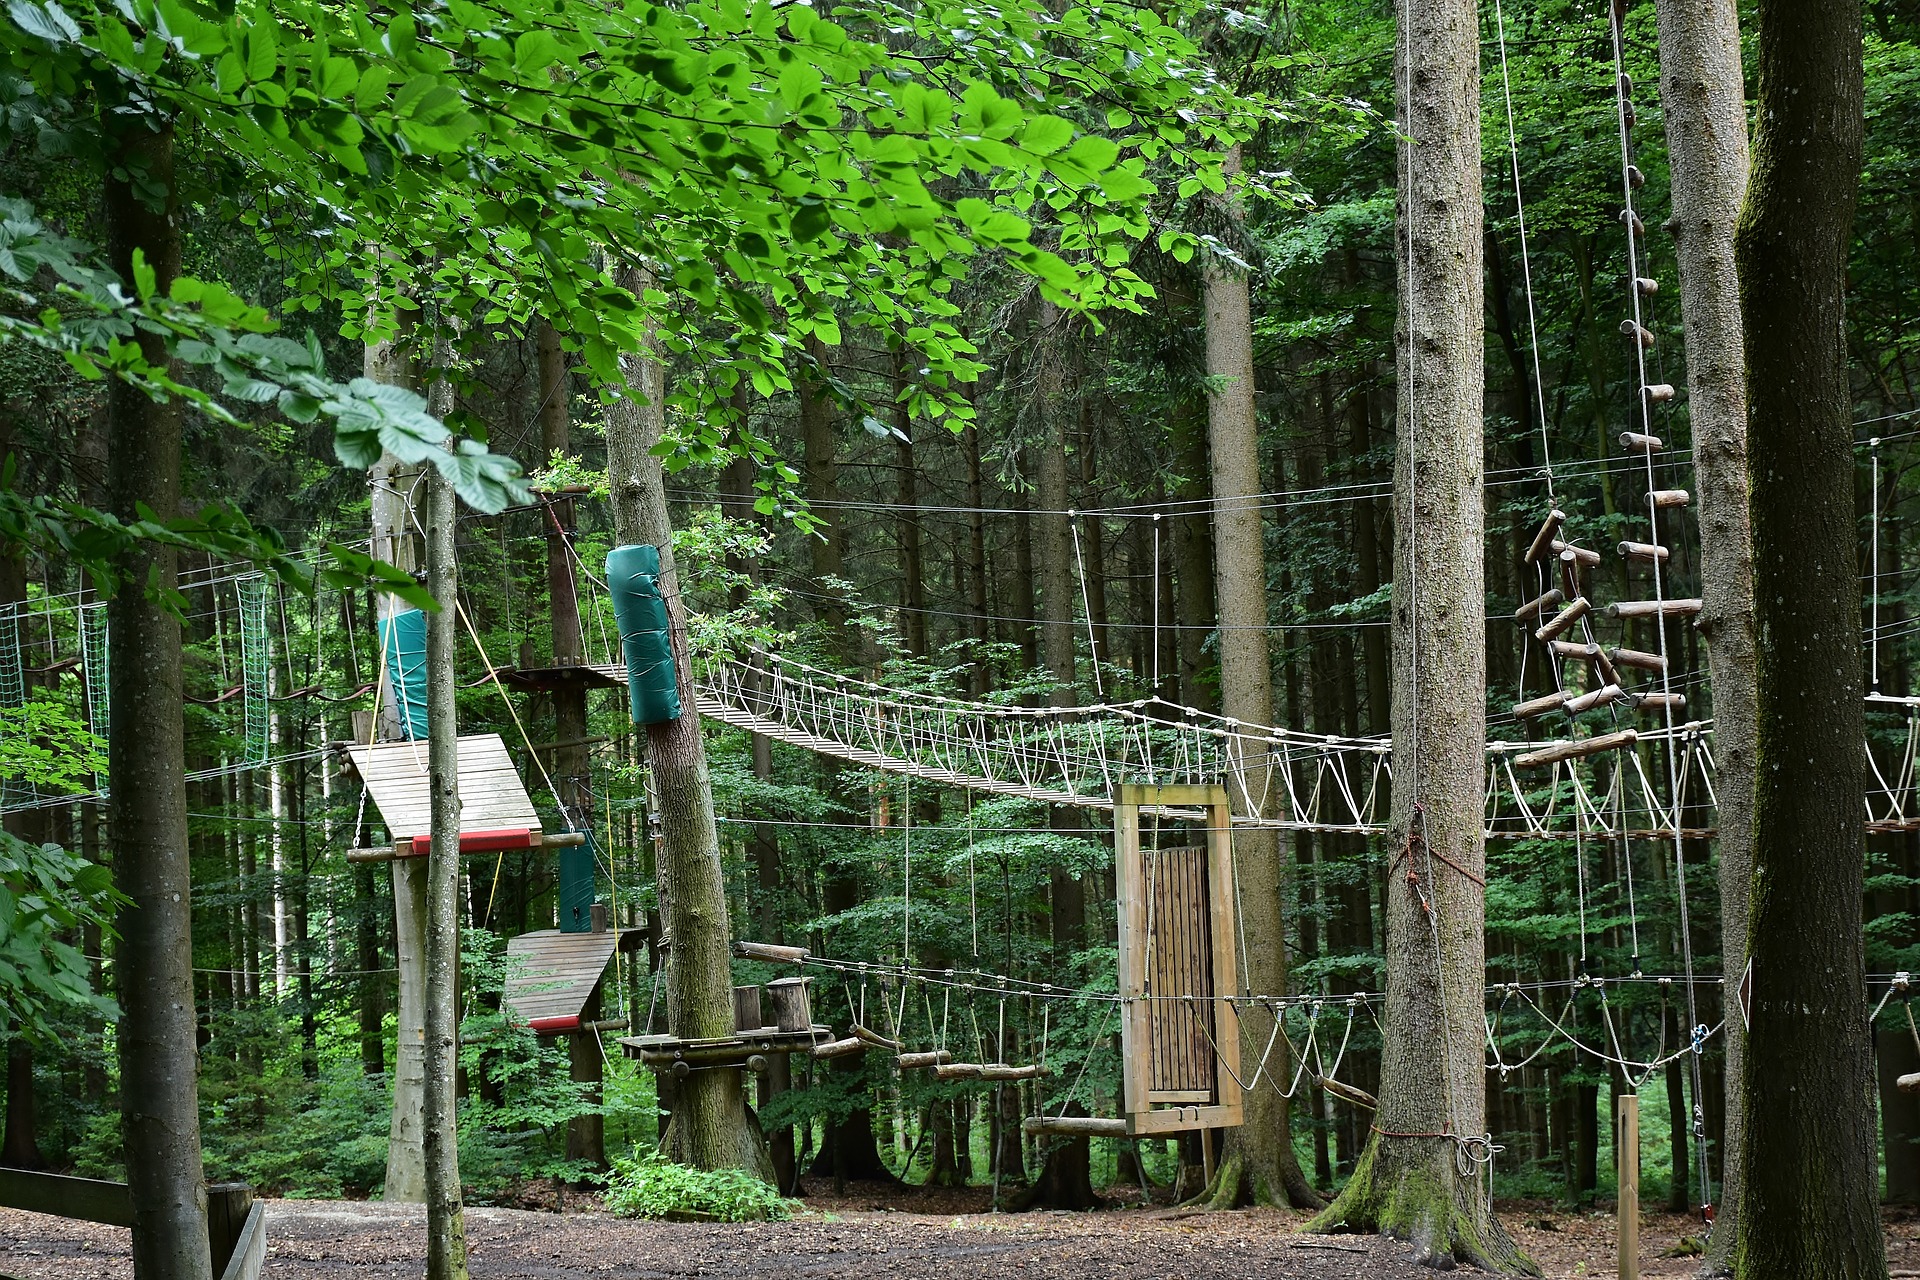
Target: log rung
1640	660
1554	753
1648	288
1657	393
1576	610
1653	609
957	1071
1543	540
1635	442
1908	1083
874	1038
1629	329
1532	609
1007	1071
1074	1127
1644	551
770	952
1664	499
1596	698
1574	649
1358	1097
1661	702
920	1061
1540	706
1577	555
839	1048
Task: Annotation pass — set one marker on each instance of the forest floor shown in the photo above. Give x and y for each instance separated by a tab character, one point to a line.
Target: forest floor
874	1232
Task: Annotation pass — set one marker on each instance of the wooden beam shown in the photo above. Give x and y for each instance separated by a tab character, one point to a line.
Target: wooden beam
87	1199
1627	1205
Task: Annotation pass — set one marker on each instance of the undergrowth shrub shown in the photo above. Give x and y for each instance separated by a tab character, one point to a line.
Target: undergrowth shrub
646	1185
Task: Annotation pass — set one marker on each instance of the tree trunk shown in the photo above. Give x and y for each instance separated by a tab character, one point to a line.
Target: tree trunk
1261	1150
446	1221
711	1128
913	586
1807	1169
1431	1121
1704	97
394	490
146	768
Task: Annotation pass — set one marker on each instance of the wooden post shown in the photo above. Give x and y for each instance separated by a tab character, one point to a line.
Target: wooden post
228	1204
1626	1154
747	1015
791	1010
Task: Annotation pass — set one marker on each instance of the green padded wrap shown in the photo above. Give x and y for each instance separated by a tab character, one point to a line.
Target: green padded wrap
403	638
633	575
576	887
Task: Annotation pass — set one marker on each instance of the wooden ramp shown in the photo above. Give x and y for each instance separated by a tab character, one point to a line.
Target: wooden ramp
556	974
492	797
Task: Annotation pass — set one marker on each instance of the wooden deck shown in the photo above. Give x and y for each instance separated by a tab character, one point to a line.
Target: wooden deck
556	972
492	796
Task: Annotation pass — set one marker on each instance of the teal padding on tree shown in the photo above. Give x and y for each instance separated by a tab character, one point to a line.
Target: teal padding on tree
403	638
633	575
576	887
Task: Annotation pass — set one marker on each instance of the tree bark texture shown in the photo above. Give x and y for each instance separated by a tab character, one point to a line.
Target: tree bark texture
146	767
1807	1176
711	1127
1267	1169
1420	1177
395	490
446	1221
1704	98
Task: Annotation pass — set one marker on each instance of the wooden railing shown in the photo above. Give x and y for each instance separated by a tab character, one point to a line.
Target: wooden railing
236	1222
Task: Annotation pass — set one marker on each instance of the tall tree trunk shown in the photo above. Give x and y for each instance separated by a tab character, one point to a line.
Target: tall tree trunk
586	1134
146	768
395	488
1431	1122
446	1221
1704	97
1193	560
1259	1164
982	673
711	1128
1064	1181
913	583
1807	1181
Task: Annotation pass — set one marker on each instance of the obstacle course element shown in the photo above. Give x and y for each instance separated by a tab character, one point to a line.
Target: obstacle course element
403	642
492	797
633	578
793	1030
557	971
1179	1030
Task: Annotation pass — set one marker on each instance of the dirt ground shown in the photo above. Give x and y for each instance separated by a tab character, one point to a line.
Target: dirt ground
872	1233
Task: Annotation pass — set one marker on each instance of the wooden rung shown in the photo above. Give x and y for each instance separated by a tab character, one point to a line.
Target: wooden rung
1634	442
1908	1083
1648	288
1662	702
839	1048
874	1038
1663	499
1006	1071
1601	663
1635	178
957	1071
1574	649
921	1061
1074	1127
1549	530
1639	659
1555	752
1571	554
1349	1093
1540	706
1560	621
1653	609
1657	392
1629	329
1643	551
1530	612
769	951
1595	698
1628	218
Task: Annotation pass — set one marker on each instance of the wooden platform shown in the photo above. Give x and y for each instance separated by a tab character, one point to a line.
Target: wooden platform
492	796
556	974
657	1050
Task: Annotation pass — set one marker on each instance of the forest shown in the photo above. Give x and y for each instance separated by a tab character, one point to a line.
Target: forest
1288	619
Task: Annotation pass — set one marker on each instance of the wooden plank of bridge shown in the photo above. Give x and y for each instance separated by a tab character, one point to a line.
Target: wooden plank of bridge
557	972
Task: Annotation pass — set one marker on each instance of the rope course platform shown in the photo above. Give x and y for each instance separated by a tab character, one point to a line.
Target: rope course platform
549	989
492	797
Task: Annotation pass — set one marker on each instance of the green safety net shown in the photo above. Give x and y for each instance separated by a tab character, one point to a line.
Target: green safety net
633	576
256	666
577	887
403	639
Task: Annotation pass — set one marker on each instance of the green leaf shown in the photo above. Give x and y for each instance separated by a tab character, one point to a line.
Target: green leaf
534	50
48	21
262	44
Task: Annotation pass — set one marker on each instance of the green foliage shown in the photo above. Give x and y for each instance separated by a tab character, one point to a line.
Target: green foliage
46	895
44	745
647	1185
